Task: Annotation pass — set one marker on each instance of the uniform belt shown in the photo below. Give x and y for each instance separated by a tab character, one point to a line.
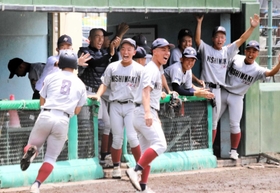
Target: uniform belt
123	102
66	114
90	89
212	85
138	105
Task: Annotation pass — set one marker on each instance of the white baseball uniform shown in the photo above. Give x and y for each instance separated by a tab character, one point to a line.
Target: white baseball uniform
123	81
150	137
240	77
175	74
214	65
63	92
175	56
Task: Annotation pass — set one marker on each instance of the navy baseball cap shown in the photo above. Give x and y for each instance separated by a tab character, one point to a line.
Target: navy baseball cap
218	29
105	33
184	32
129	41
64	39
141	40
253	44
140	52
189	52
13	65
161	42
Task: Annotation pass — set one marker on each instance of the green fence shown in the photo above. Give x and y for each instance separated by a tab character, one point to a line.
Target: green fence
188	135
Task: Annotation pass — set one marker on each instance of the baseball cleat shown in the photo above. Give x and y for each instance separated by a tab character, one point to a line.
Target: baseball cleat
117	173
134	178
107	162
34	188
28	157
147	190
233	154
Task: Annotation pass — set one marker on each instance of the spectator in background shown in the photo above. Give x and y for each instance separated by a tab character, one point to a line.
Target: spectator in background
20	68
141	41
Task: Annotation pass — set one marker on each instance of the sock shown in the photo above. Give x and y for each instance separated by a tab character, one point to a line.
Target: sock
143	186
110	141
214	132
103	155
145	175
44	172
26	148
136	151
138	168
116	155
148	156
104	143
235	139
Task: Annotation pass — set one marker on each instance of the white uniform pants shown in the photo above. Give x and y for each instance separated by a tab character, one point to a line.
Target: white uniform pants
234	103
51	126
216	110
149	137
121	116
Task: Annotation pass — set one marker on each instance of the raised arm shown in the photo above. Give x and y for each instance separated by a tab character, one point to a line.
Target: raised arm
199	19
254	23
274	70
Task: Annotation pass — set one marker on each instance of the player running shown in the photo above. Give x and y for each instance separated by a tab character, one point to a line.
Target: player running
63	95
123	79
215	58
243	71
146	120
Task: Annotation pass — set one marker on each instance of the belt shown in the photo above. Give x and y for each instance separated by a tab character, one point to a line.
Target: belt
90	89
123	102
138	105
66	114
212	85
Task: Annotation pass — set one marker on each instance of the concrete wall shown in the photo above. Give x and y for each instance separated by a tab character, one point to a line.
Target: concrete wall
23	35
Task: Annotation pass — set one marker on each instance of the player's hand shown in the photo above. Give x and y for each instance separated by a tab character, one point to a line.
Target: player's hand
83	59
95	97
114	44
255	20
204	93
122	29
148	119
199	17
201	83
163	95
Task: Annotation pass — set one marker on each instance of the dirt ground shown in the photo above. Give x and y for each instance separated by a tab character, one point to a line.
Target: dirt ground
257	178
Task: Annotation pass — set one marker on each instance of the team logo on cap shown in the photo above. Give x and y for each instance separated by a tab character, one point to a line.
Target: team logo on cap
65	39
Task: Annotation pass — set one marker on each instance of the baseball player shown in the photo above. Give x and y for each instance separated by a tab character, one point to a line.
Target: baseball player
91	76
215	58
123	79
184	40
64	42
140	55
141	41
146	120
63	95
243	71
179	76
20	68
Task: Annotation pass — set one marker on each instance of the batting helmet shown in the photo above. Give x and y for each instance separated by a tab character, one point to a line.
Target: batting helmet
67	59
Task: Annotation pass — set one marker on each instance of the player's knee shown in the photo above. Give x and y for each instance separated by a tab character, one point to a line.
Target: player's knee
117	142
235	128
132	140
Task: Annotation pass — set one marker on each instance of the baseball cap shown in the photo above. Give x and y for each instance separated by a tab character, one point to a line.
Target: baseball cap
141	40
253	44
184	32
130	41
140	52
105	33
13	65
161	42
189	52
218	29
64	38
